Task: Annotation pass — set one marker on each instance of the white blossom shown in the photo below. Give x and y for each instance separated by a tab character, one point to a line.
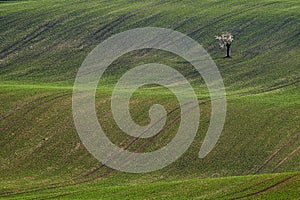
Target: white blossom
224	39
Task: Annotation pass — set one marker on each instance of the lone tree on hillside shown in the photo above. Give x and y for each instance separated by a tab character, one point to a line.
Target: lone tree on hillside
225	40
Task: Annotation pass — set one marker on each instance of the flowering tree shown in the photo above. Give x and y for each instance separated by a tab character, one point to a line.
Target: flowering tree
225	40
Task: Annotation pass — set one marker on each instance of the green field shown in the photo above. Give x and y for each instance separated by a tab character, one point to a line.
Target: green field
42	45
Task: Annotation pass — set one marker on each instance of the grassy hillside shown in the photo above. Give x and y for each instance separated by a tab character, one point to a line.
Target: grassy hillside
276	186
39	142
46	41
42	45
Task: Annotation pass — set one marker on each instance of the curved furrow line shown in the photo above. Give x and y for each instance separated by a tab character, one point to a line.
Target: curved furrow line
30	110
285	159
57	196
37	32
249	187
276	153
228	15
27	39
14	111
267	188
280	86
266	163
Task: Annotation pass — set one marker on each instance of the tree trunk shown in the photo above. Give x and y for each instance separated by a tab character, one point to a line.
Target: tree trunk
228	50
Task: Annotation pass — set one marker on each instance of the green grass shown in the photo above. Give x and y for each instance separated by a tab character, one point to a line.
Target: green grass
276	186
42	45
247	131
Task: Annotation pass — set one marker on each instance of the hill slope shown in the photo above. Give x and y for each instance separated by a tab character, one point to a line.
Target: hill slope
276	186
46	41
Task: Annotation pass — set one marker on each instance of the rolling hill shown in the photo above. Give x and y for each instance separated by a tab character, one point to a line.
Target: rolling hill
43	44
